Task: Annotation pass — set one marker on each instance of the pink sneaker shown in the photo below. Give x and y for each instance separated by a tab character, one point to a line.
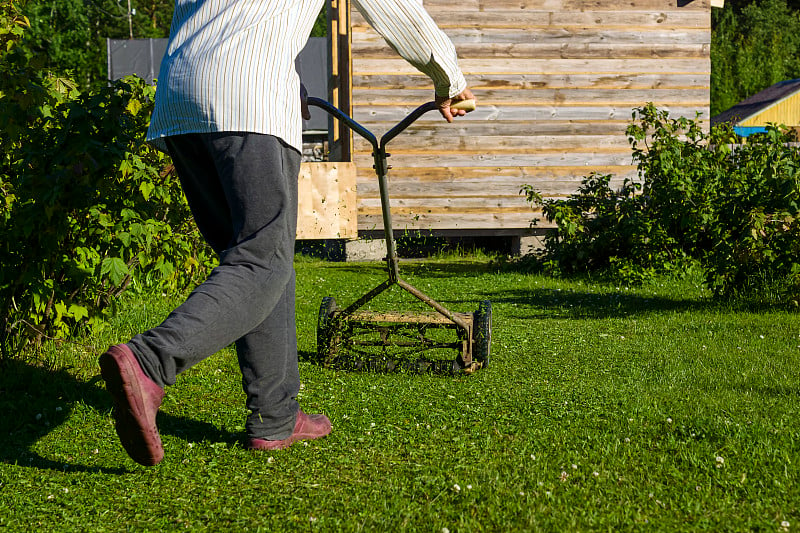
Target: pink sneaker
307	427
136	402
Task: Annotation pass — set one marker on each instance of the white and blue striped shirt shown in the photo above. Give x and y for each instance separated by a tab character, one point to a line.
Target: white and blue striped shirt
230	64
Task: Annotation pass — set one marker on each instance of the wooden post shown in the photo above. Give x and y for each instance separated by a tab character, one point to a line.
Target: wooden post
339	85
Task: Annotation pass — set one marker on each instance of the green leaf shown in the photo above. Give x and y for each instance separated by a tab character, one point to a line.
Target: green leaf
78	312
134	106
146	188
115	268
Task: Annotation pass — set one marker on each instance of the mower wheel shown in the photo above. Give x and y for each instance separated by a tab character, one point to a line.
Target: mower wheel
328	337
482	333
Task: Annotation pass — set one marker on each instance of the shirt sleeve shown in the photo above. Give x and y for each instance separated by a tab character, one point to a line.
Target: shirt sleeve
412	33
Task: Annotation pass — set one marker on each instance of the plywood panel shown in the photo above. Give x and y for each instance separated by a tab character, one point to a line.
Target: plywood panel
327	201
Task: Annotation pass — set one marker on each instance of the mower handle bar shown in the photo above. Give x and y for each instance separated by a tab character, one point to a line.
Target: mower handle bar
392	133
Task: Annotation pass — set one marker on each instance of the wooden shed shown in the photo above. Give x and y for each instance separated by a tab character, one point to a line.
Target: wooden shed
556	82
777	104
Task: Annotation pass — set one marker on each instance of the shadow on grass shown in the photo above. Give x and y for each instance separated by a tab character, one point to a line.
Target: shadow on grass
425	268
557	303
609	303
36	400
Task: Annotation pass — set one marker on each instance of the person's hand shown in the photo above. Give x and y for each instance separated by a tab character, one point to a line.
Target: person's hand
304	103
444	105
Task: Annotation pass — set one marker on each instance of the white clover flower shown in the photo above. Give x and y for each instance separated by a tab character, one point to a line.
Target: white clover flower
456	487
720	461
669	420
596	473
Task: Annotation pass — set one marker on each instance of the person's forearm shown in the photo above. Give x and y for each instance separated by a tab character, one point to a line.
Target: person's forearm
410	30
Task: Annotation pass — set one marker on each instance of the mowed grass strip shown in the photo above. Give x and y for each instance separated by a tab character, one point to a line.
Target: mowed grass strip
605	407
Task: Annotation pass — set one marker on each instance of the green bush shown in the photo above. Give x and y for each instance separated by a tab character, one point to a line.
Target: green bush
756	234
88	209
599	229
698	199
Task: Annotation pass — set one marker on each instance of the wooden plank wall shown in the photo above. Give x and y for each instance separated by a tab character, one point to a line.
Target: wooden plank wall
556	81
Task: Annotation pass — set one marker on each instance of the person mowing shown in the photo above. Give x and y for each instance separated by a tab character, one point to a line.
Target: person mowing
228	111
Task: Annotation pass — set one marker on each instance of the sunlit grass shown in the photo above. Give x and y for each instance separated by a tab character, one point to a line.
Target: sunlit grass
606	407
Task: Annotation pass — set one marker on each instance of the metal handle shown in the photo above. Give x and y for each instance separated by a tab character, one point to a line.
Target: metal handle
467	105
355	126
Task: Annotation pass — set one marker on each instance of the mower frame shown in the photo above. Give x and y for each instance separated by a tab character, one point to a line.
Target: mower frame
350	326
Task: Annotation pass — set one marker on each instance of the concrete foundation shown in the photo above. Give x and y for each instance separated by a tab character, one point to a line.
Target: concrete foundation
527	245
365	250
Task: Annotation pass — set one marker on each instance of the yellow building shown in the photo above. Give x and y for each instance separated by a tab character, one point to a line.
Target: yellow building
778	104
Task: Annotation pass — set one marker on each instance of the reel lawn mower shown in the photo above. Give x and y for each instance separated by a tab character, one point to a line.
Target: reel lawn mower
352	328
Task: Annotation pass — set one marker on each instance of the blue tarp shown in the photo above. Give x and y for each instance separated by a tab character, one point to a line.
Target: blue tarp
744	131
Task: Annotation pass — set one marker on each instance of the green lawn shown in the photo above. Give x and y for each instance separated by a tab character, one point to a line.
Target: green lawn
605	408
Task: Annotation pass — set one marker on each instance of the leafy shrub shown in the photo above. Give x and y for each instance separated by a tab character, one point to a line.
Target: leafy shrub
756	234
650	225
600	229
698	199
88	209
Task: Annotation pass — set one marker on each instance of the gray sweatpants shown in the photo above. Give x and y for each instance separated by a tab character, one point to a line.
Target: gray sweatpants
242	190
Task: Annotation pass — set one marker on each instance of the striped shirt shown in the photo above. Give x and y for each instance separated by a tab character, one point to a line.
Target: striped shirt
230	64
